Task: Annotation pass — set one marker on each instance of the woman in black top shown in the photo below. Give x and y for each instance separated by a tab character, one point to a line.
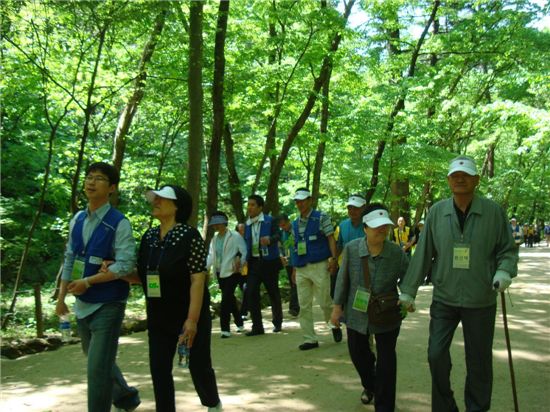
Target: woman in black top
172	270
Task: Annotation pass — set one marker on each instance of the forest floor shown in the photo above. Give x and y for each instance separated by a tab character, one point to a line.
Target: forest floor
269	373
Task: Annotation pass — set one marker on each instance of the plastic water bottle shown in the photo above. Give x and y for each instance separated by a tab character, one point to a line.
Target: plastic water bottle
183	352
65	328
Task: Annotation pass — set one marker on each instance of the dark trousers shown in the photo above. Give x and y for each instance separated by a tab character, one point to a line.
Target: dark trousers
242	287
478	326
266	272
162	348
293	304
229	303
382	378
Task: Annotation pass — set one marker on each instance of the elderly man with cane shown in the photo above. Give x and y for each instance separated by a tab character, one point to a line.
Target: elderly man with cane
469	238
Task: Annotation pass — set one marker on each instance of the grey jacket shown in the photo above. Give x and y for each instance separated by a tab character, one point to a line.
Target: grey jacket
492	248
385	271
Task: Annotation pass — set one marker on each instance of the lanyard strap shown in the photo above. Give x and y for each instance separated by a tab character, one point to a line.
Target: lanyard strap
366	271
161	251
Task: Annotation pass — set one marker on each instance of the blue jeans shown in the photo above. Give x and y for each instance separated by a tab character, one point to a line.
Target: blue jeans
99	334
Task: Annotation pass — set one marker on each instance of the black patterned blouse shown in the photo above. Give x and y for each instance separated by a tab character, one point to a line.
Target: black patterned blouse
181	253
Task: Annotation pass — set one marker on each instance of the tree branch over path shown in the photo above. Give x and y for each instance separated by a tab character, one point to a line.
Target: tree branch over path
318	83
129	111
399	105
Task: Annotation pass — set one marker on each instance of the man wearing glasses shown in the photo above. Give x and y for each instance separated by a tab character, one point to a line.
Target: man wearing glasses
99	234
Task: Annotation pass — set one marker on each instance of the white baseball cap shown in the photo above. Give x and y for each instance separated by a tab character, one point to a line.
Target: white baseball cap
302	194
356	200
463	164
377	218
166	192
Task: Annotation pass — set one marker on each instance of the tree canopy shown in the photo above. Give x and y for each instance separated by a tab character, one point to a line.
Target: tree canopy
379	95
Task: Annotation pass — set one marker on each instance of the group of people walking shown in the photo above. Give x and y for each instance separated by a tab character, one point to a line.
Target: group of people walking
357	275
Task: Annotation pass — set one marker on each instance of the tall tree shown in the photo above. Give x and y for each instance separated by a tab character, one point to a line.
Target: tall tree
194	85
218	111
131	107
318	82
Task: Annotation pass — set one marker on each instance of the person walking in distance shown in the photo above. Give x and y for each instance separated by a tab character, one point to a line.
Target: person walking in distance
262	238
315	259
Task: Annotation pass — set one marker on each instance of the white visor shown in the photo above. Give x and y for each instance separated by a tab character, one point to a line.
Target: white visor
302	194
166	192
377	218
356	201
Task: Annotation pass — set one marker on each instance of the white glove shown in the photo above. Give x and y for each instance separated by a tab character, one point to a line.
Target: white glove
501	281
407	301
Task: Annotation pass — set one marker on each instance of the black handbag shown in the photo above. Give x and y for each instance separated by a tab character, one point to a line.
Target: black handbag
383	308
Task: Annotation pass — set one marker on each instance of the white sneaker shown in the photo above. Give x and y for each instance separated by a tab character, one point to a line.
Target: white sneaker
240	329
218	407
225	334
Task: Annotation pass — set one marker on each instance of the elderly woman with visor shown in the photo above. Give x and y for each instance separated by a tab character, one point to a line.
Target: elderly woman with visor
387	264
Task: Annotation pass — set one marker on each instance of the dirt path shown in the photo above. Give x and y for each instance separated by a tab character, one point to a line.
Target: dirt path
269	373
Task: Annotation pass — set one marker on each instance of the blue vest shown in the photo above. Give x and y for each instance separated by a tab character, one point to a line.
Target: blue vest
100	245
317	248
265	230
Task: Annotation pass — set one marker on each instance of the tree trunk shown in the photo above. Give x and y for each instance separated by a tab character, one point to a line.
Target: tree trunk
320	155
194	85
326	67
235	192
129	111
38	315
218	111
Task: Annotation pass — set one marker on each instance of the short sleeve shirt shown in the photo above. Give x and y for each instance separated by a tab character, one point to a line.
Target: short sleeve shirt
180	254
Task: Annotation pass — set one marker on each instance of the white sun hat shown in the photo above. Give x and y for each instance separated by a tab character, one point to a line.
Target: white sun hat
377	218
166	192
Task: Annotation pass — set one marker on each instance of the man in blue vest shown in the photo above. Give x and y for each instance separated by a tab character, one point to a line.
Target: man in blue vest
314	260
263	265
97	234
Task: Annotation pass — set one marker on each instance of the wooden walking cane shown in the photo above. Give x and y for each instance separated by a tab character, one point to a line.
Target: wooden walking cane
509	347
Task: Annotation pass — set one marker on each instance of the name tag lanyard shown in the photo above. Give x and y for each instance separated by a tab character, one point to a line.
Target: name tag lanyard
80	259
153	274
461	249
255	230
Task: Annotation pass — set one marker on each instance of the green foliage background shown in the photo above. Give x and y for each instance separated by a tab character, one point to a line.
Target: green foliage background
489	88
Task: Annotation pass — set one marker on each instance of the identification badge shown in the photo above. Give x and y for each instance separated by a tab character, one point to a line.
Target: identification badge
461	256
78	269
313	237
302	248
361	300
153	284
255	250
94	260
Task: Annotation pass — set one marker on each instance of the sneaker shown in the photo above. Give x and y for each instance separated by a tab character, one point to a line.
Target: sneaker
308	345
240	329
225	334
366	397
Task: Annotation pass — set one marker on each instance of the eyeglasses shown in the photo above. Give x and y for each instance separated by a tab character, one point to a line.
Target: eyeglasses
96	178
